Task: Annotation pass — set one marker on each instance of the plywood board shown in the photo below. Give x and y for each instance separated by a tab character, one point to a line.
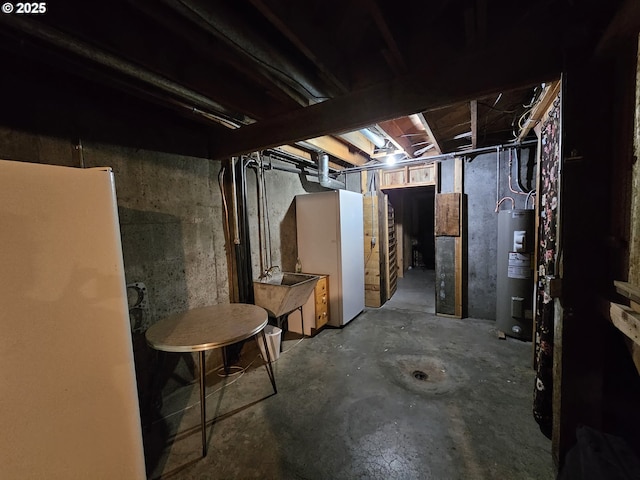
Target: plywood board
445	276
448	214
628	290
626	320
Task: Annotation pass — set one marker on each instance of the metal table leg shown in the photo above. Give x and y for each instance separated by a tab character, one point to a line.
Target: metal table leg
203	406
301	320
268	363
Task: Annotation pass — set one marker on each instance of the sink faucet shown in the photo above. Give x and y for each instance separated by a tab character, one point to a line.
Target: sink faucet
268	273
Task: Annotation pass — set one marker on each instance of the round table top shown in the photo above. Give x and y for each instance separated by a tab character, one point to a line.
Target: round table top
207	327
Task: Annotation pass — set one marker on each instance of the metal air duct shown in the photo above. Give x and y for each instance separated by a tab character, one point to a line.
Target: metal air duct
323	173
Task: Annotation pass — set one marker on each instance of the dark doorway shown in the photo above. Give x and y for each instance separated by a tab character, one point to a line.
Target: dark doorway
414	217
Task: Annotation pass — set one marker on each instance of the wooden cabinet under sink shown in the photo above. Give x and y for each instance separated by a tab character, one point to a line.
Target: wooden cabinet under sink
315	310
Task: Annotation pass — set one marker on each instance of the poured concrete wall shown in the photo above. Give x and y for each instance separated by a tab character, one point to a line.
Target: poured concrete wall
281	188
172	235
486	180
480	175
170	217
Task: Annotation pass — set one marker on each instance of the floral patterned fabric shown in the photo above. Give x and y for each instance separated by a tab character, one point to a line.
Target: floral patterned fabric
547	256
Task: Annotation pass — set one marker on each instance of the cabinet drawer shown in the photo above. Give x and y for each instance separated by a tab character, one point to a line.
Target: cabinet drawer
322	317
321	287
322	301
316	309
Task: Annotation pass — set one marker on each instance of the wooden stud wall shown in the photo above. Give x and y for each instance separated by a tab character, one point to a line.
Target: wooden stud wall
380	242
391	264
373	252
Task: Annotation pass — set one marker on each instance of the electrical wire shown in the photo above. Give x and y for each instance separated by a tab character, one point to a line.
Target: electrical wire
530	195
513	203
188	407
497	109
293	346
511	189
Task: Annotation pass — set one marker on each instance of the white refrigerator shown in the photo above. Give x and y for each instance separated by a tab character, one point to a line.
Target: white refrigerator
68	397
330	230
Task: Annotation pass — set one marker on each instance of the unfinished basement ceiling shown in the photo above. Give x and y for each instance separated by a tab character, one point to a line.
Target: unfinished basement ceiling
431	77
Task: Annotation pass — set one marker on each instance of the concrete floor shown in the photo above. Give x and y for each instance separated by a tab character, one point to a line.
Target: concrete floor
349	406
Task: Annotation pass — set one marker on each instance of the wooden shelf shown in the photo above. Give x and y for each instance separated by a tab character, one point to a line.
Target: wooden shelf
627	319
381	269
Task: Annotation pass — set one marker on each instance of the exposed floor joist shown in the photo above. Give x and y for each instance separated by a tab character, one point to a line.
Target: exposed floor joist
338	149
404	96
473	108
427	127
359	141
277	15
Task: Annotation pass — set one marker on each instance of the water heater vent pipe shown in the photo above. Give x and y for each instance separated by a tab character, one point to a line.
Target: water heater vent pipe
323	173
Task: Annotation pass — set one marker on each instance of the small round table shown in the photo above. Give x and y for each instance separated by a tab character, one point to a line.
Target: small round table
207	328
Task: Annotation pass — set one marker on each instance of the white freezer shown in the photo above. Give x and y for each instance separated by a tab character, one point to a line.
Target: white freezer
68	397
330	231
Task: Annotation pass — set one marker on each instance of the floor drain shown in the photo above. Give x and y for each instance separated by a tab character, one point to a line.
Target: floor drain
420	375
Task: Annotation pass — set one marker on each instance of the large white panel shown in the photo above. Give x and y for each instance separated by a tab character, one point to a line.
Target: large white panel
352	253
318	232
331	241
68	401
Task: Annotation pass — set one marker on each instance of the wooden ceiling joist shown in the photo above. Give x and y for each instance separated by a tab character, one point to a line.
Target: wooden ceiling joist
548	95
293	151
359	141
429	131
393	130
395	59
403	96
473	107
276	14
338	149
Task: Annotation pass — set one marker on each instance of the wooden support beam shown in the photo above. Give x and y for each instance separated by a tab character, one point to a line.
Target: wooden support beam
473	107
627	320
625	24
481	20
359	141
538	112
396	60
400	97
277	15
304	155
427	127
628	290
392	129
295	151
470	26
338	149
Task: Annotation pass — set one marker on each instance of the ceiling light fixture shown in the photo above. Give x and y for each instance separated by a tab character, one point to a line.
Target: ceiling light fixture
391	159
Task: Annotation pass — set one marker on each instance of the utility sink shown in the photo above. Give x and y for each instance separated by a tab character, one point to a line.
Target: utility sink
282	294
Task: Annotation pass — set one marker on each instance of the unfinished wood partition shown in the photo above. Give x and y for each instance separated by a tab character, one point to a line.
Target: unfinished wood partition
389	229
379	252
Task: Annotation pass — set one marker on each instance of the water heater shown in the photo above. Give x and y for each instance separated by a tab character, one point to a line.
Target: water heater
514	303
